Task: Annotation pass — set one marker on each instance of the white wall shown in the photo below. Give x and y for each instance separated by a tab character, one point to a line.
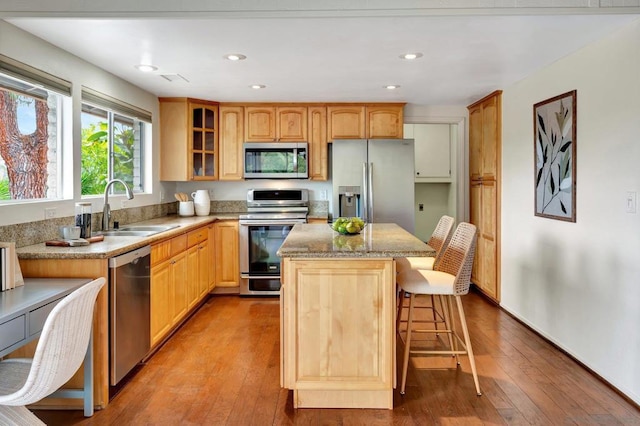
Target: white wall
579	283
24	47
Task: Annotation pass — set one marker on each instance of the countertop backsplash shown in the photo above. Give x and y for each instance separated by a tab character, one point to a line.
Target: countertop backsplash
25	234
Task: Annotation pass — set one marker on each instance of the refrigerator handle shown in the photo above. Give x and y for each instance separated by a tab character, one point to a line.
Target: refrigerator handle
365	193
370	195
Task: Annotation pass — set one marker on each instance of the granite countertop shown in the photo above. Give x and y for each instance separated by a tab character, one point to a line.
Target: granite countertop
115	245
376	240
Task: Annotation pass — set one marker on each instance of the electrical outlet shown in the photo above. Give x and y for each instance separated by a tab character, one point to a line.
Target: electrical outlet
211	193
50	213
421	207
323	194
124	204
161	195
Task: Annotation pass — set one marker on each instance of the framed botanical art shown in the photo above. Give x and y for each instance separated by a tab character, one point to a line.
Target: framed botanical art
554	127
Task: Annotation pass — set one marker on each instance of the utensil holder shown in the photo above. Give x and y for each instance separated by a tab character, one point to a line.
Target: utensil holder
185	208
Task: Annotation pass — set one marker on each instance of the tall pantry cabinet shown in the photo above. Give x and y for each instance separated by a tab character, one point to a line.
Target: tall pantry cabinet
485	140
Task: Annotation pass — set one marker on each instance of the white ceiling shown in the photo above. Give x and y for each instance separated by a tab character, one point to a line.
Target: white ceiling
325	59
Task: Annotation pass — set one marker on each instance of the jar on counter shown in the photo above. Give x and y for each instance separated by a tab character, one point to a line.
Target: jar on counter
83	219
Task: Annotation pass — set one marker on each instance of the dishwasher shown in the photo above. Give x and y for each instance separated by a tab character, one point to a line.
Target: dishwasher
129	311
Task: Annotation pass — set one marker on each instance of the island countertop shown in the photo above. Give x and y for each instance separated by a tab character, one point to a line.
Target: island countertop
376	240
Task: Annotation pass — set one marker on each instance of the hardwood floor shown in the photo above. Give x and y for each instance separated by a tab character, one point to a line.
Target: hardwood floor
222	368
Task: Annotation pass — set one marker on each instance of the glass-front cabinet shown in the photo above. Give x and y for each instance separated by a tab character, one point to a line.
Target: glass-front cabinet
204	142
188	139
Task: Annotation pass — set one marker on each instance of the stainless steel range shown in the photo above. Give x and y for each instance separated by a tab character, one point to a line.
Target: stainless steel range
271	213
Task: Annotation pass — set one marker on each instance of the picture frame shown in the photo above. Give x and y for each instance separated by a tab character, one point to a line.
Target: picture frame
554	131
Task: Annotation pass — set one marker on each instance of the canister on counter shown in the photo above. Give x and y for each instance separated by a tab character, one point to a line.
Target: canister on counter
83	219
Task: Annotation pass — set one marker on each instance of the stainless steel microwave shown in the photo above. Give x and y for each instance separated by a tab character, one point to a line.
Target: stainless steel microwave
276	160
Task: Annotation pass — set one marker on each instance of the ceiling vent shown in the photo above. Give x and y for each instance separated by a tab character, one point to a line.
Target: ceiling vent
173	77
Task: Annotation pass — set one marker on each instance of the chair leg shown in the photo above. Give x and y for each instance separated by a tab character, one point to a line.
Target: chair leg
407	344
399	311
467	342
448	323
433	311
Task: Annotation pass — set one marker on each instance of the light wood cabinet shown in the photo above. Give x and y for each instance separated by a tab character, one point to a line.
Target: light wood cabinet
260	124
197	265
275	123
291	124
346	122
161	309
338	332
369	121
485	126
178	272
318	146
385	121
231	139
188	139
167	292
211	256
227	253
180	279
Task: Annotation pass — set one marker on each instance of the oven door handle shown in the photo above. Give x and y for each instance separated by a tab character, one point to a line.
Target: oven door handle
270	222
259	277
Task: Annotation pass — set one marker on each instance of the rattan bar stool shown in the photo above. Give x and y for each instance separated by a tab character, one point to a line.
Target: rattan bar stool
450	279
438	241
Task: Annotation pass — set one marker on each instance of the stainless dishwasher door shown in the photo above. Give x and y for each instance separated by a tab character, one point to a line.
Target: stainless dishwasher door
129	311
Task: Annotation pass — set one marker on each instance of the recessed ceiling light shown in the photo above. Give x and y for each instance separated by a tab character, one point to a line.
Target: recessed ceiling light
257	86
392	86
235	57
411	56
146	67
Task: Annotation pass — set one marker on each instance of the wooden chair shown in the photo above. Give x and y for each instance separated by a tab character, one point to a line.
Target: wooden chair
450	278
59	353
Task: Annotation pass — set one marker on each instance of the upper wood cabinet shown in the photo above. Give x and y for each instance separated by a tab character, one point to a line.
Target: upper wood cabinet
275	124
318	147
188	139
385	121
484	138
291	124
370	121
346	122
231	139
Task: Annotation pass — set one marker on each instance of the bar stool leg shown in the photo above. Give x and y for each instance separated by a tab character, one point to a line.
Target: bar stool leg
399	312
407	344
467	342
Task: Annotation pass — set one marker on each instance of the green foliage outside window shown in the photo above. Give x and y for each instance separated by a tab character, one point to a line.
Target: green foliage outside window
95	153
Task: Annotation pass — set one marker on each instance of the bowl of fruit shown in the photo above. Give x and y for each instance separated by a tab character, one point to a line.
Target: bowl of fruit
348	225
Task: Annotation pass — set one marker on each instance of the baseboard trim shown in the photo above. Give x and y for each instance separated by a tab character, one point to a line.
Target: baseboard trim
555	346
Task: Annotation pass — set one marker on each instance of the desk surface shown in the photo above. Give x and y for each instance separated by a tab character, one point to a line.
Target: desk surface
36	292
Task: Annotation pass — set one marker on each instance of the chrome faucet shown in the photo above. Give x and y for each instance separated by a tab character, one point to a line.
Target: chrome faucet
106	211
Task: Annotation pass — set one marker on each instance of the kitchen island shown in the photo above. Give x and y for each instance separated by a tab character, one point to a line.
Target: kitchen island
337	314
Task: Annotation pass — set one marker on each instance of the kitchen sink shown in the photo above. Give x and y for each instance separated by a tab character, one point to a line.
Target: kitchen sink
138	231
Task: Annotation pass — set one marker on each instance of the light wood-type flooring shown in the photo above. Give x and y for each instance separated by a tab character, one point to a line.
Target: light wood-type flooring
222	368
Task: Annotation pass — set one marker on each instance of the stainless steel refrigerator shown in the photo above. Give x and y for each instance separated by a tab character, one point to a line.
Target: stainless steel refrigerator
374	179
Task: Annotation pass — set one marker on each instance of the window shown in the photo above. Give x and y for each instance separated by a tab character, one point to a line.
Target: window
31	115
113	135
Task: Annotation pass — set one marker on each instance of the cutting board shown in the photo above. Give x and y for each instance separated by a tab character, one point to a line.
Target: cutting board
74	243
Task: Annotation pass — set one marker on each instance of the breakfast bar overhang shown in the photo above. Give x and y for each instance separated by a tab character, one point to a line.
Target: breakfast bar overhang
337	314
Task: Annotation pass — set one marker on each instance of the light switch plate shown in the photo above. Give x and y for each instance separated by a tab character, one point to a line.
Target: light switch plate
631	201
